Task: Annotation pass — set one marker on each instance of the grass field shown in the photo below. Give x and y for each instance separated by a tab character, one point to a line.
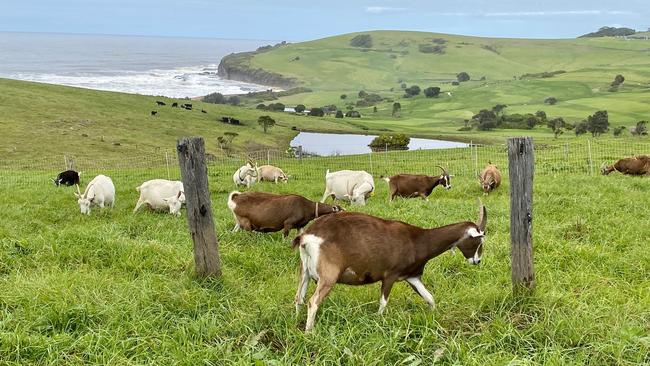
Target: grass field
332	67
118	288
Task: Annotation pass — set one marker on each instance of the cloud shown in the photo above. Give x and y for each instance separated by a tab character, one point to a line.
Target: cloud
381	9
560	12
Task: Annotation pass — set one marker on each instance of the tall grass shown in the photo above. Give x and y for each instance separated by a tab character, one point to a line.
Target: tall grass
118	288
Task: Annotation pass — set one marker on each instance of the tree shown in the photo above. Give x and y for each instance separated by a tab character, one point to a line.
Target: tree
266	122
462	76
402	85
276	107
580	128
557	125
541	115
432	92
353	114
411	91
598	123
374	109
339	114
550	100
531	121
391	141
397	107
261	106
362	94
300	108
640	129
216	98
618	80
225	141
498	109
316	112
618	131
486	119
343	96
234	100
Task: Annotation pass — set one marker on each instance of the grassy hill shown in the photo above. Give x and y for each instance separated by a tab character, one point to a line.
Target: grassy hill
332	67
41	120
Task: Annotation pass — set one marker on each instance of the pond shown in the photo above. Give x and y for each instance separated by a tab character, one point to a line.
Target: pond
325	144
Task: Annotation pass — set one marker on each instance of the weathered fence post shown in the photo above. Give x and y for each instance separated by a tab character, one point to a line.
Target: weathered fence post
521	169
299	152
194	173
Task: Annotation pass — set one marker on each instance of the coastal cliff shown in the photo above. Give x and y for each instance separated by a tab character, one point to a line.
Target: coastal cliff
236	66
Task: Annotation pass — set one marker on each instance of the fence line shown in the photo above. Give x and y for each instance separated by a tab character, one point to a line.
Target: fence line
564	157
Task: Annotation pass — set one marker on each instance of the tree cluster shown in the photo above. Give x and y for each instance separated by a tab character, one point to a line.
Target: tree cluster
390	141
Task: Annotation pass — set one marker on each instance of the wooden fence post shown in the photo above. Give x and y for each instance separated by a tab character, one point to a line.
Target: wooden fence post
521	169
194	173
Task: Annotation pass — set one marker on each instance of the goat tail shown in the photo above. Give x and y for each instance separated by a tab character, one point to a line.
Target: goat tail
296	242
482	217
138	188
233	194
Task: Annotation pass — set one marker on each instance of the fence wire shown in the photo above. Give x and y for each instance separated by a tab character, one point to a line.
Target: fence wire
581	157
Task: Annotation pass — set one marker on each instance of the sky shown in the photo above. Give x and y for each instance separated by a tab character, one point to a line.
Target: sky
292	20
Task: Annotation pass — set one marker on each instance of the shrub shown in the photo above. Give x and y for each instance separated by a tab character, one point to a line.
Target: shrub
402	85
618	131
430	48
300	108
343	96
339	114
550	100
216	98
618	80
397	107
391	141
317	112
557	125
439	40
640	129
580	128
361	40
598	123
462	76
432	92
234	100
374	109
455	83
353	114
276	107
411	91
362	94
261	106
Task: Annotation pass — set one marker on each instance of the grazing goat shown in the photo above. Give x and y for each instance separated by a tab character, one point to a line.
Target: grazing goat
349	185
175	105
100	191
161	194
490	178
266	212
636	165
159	103
412	185
245	175
271	173
357	249
67	178
153	113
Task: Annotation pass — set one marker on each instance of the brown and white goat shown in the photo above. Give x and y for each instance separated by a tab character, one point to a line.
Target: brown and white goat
636	165
490	178
357	249
267	212
413	185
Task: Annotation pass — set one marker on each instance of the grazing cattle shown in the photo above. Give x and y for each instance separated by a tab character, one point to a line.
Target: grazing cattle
67	178
225	119
153	113
234	121
349	185
413	185
357	249
204	111
159	103
100	191
245	175
161	194
174	105
271	173
636	165
490	178
266	212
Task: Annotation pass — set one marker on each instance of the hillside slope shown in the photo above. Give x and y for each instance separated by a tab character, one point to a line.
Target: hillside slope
333	64
41	120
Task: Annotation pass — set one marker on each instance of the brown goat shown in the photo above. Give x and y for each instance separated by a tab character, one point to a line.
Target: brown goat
357	249
490	178
413	185
636	165
267	212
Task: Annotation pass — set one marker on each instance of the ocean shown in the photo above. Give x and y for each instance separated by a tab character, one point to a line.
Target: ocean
172	67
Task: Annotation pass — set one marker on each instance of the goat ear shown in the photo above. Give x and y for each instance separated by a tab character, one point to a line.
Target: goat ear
179	194
165	199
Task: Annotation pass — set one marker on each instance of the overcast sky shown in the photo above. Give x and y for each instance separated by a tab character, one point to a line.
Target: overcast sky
293	20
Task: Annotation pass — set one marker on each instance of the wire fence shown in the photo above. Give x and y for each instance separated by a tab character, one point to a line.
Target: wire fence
581	157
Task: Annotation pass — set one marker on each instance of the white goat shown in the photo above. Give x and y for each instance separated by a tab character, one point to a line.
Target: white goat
100	191
349	185
161	194
245	175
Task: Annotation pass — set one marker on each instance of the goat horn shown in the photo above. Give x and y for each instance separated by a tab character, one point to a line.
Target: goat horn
78	191
443	169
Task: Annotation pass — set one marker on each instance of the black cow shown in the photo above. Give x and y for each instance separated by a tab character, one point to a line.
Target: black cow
153	113
175	105
67	178
225	119
160	103
234	121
